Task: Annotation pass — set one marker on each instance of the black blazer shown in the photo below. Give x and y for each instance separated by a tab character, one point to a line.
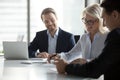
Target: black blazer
65	42
108	63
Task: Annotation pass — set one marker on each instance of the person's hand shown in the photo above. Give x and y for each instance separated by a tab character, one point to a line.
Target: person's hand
52	57
43	55
79	61
60	65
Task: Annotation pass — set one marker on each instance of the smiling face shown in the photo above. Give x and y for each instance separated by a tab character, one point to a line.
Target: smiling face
50	21
91	23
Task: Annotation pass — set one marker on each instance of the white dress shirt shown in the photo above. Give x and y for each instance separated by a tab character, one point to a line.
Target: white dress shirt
85	49
52	41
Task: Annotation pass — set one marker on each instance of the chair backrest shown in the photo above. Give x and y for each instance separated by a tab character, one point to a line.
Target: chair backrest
76	38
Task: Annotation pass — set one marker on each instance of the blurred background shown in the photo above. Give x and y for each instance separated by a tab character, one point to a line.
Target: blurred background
20	19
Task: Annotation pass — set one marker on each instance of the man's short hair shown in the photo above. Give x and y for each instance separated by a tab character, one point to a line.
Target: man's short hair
48	10
111	5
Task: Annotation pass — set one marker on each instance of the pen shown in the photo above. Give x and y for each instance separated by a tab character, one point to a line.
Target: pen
49	59
53	56
52	60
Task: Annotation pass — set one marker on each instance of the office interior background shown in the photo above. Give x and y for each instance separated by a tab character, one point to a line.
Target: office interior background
20	19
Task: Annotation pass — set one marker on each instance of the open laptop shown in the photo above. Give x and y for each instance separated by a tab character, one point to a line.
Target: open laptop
14	50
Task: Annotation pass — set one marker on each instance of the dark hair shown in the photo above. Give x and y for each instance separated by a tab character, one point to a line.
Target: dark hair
48	10
111	5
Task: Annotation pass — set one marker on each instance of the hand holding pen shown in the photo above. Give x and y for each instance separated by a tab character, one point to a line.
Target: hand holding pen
52	57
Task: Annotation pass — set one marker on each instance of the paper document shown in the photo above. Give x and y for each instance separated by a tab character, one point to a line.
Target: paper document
35	60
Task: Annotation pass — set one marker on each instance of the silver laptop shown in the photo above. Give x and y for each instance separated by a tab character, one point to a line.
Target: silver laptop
15	50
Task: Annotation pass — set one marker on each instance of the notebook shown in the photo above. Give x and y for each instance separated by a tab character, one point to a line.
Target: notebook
15	50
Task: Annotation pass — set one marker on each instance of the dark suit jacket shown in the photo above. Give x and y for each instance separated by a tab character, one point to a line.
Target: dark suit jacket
65	42
108	63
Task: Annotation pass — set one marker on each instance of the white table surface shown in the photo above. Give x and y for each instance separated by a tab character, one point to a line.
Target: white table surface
25	70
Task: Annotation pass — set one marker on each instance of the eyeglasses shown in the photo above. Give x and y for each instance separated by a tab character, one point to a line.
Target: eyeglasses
88	22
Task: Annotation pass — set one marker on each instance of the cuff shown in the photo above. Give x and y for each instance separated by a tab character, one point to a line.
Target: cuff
63	56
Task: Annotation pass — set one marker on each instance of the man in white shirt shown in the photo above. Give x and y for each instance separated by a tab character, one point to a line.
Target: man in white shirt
51	40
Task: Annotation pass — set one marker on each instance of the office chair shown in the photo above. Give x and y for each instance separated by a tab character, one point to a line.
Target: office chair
76	37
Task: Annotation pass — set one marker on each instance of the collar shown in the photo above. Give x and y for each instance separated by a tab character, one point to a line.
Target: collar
56	33
96	35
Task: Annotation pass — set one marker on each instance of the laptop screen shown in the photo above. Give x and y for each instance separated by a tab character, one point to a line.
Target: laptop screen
15	50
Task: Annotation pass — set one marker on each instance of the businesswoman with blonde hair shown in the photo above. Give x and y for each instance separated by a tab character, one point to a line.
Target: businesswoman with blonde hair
108	62
91	43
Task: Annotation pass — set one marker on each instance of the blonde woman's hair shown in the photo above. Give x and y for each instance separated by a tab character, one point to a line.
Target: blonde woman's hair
94	10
